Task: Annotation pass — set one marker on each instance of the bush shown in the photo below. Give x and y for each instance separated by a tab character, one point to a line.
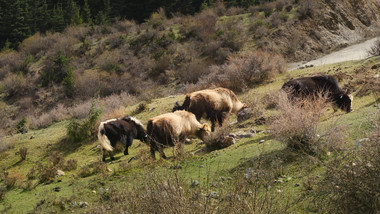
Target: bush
241	72
71	164
308	8
297	122
351	182
23	152
84	171
80	131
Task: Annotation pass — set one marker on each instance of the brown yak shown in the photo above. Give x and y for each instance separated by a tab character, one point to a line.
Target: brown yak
172	128
212	104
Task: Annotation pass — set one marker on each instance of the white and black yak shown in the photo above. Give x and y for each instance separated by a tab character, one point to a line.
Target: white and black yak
325	85
124	130
169	129
212	104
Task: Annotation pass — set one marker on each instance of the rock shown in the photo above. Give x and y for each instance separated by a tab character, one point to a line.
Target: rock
360	141
261	141
109	170
187	141
57	189
59	173
223	178
213	195
93	191
151	109
201	166
31	137
241	134
244	114
83	204
195	183
376	76
213	184
296	185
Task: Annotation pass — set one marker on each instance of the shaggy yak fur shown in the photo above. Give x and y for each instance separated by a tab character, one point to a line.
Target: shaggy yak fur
124	130
324	84
213	104
172	128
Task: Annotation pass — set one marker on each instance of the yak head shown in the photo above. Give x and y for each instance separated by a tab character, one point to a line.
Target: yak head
203	131
344	102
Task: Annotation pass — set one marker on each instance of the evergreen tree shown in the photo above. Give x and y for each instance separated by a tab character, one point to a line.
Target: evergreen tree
19	22
57	20
86	13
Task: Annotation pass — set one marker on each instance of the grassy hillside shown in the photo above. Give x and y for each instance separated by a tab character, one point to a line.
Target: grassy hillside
256	174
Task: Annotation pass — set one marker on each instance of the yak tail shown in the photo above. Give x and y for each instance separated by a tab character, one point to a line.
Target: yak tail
104	141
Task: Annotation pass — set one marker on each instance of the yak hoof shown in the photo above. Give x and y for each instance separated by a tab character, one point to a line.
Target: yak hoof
126	153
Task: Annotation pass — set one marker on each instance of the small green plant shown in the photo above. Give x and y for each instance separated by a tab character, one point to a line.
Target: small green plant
21	126
79	131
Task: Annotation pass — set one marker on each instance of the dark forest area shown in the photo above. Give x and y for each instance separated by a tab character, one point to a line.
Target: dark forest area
20	19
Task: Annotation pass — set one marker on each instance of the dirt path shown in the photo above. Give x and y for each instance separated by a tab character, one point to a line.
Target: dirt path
353	52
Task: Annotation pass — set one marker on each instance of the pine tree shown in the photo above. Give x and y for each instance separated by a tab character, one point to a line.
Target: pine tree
19	22
58	22
86	13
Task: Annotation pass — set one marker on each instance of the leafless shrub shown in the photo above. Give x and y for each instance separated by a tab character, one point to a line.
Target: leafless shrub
351	179
99	167
233	11
46	173
191	72
11	61
84	171
78	32
71	164
57	159
308	8
109	60
232	34
201	27
14	85
375	49
38	45
23	151
280	5
240	72
125	26
219	139
140	108
297	122
81	110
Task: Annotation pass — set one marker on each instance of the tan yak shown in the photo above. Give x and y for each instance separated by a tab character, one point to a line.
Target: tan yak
212	104
171	128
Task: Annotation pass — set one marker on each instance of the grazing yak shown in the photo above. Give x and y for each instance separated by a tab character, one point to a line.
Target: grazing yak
124	130
213	104
324	84
171	128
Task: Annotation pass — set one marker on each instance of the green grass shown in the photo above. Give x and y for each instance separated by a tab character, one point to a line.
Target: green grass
204	167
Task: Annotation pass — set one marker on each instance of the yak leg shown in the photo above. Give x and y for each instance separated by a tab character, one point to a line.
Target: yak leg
152	152
126	141
162	153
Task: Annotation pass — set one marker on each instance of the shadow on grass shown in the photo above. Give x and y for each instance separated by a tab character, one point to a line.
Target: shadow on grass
278	159
66	146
